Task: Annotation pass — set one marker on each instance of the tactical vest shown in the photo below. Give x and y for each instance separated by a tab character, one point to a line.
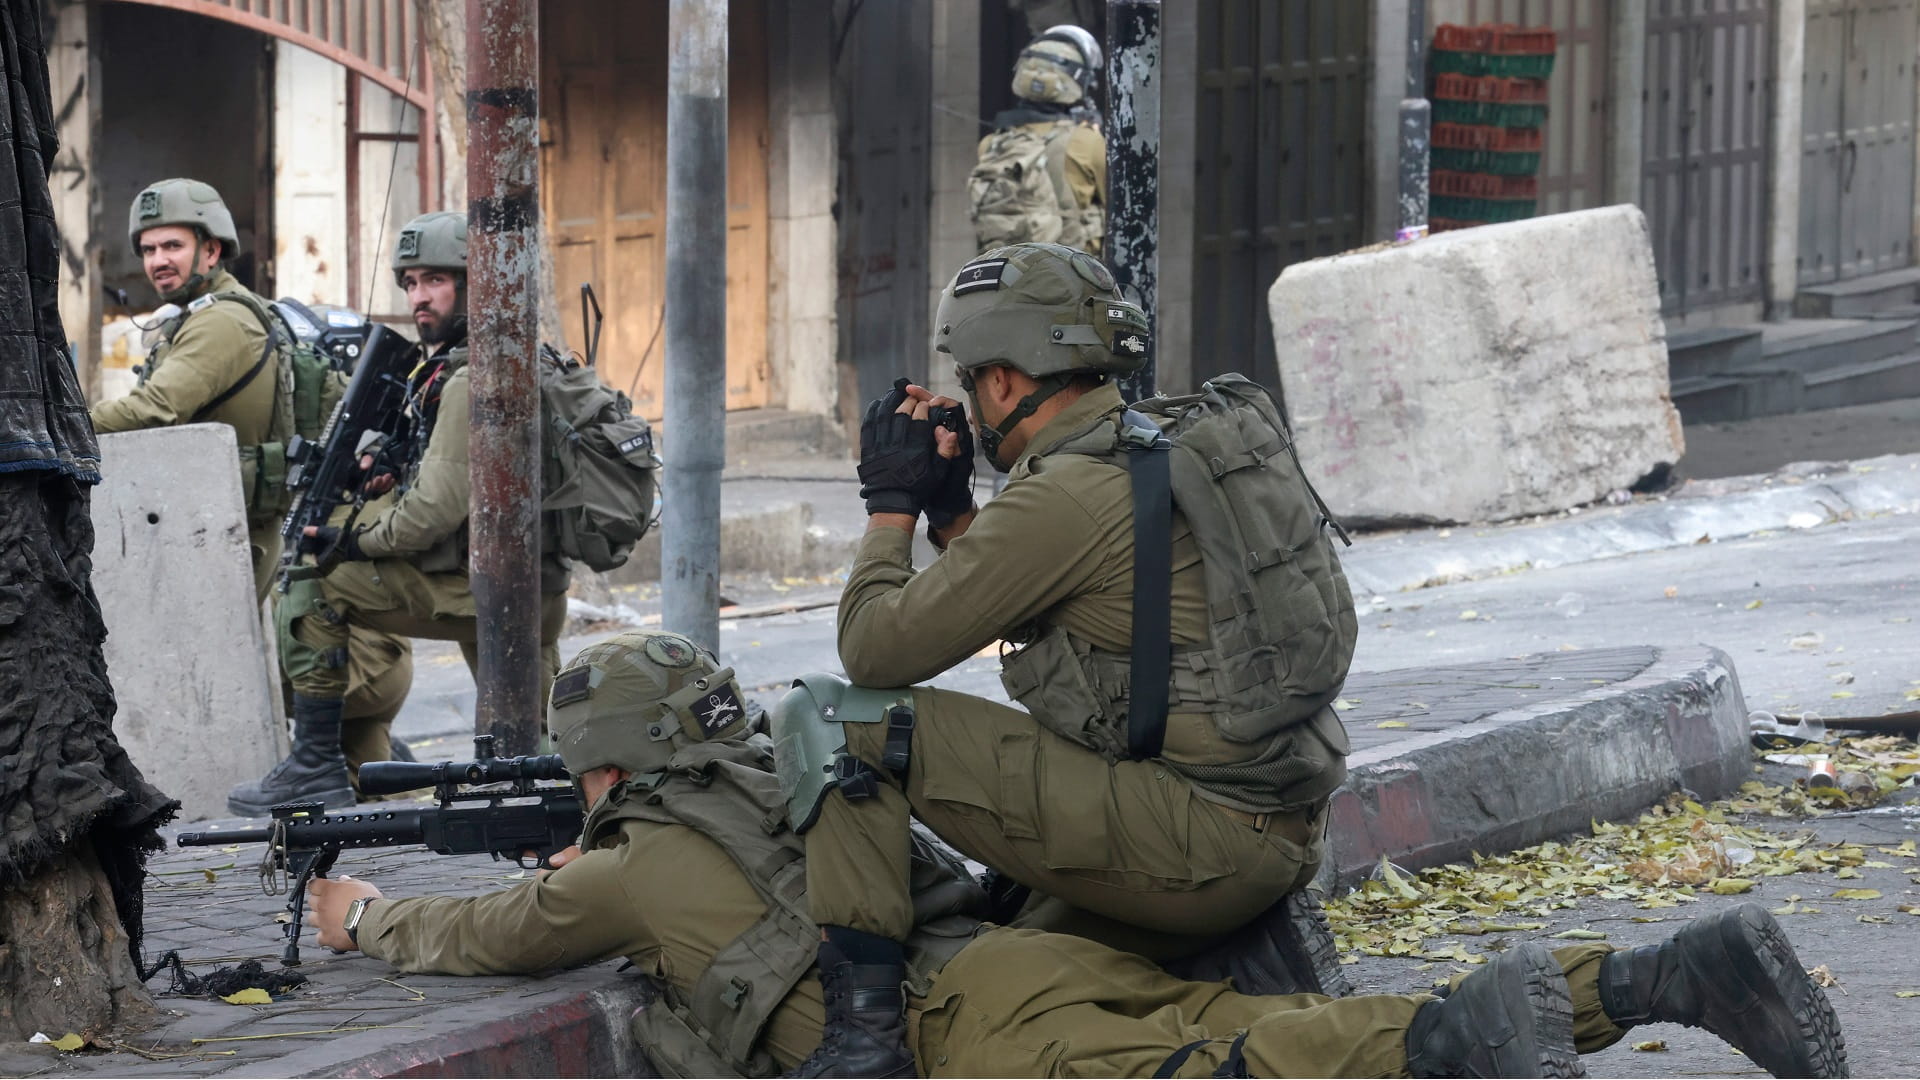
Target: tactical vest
728	792
1018	193
1280	616
306	389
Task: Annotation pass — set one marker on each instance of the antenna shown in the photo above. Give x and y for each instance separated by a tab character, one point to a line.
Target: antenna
590	329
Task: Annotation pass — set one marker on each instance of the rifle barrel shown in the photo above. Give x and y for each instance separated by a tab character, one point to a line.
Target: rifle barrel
225	836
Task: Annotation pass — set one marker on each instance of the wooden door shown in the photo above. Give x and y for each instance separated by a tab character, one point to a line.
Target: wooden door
603	120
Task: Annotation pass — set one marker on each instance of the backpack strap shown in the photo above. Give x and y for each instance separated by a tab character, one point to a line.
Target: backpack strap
1149	467
273	343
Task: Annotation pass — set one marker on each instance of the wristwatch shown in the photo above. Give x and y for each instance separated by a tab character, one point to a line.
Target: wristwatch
355	911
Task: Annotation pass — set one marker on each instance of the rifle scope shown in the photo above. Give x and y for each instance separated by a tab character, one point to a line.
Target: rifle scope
393	777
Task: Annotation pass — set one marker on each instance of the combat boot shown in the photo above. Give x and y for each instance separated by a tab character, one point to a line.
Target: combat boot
1289	949
316	770
1513	1017
1733	974
864	977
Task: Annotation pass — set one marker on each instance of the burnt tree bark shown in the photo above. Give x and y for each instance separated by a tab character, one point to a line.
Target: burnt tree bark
77	820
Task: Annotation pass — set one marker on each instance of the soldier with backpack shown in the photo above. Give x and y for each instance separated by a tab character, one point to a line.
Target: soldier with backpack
1042	174
403	570
229	357
1182	629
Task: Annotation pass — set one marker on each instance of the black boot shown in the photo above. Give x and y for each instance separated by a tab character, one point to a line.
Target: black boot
315	771
1513	1017
1287	950
866	1031
1734	974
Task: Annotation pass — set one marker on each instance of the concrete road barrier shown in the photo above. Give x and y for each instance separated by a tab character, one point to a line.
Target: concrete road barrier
184	638
1479	375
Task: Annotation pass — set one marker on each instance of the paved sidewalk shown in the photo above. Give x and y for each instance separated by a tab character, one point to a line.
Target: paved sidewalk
1446	761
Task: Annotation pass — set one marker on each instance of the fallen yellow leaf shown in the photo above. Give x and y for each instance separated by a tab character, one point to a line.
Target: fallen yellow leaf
1755	604
1651	1046
1906	993
1580	935
1469	615
252	995
1843	693
1729	886
69	1042
1391	724
1856	894
1672	592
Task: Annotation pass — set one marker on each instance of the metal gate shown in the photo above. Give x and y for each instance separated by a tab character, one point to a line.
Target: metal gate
1573	172
1704	178
1857	116
1280	162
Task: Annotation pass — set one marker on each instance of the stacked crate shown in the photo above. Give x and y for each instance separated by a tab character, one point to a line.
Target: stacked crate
1489	99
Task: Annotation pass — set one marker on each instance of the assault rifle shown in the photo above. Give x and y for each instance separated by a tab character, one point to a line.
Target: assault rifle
370	418
522	819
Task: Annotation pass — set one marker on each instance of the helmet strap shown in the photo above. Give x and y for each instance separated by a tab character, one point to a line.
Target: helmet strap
992	436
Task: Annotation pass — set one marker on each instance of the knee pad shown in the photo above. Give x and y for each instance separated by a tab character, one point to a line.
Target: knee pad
301	601
810	740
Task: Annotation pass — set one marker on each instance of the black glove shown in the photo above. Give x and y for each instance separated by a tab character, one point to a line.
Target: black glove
899	464
330	546
953	494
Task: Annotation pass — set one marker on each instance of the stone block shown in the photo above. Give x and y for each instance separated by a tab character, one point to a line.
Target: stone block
185	644
1479	375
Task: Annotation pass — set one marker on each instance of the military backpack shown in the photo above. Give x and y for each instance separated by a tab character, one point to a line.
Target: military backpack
1018	190
1281	621
307	387
600	469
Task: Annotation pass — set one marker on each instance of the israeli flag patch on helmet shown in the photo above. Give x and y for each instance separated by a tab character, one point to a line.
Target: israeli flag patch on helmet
976	276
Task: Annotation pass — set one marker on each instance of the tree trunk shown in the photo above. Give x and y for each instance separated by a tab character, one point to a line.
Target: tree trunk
64	956
443	26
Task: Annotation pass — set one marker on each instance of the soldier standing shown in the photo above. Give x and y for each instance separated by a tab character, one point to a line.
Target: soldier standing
404	571
1042	174
216	361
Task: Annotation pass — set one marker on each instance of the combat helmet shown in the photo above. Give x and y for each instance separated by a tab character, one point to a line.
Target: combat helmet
435	241
180	201
1060	67
1045	310
634	700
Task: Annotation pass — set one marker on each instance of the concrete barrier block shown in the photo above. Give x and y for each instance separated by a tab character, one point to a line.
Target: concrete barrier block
1479	375
184	637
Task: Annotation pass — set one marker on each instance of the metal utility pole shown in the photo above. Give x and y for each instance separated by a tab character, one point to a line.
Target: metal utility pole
696	414
1133	162
1416	129
503	169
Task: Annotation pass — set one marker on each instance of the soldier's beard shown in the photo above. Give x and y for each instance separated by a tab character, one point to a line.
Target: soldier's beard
447	330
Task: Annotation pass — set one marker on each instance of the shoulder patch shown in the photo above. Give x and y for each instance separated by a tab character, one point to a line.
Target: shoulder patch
203	303
979	275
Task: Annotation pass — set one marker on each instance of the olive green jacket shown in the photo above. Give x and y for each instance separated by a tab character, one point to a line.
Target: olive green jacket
1054	548
663	896
427	524
206	352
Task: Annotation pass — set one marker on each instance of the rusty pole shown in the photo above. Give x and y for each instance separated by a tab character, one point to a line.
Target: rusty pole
696	420
503	326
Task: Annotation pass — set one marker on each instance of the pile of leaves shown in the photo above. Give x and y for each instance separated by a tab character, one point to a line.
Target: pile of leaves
1670	856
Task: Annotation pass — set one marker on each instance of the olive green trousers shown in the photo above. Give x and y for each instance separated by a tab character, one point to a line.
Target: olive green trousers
394	596
1124	845
1023	1003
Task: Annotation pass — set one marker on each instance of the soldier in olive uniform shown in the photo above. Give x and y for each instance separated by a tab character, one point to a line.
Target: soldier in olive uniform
1055	121
404	570
1185	845
683	875
215	363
